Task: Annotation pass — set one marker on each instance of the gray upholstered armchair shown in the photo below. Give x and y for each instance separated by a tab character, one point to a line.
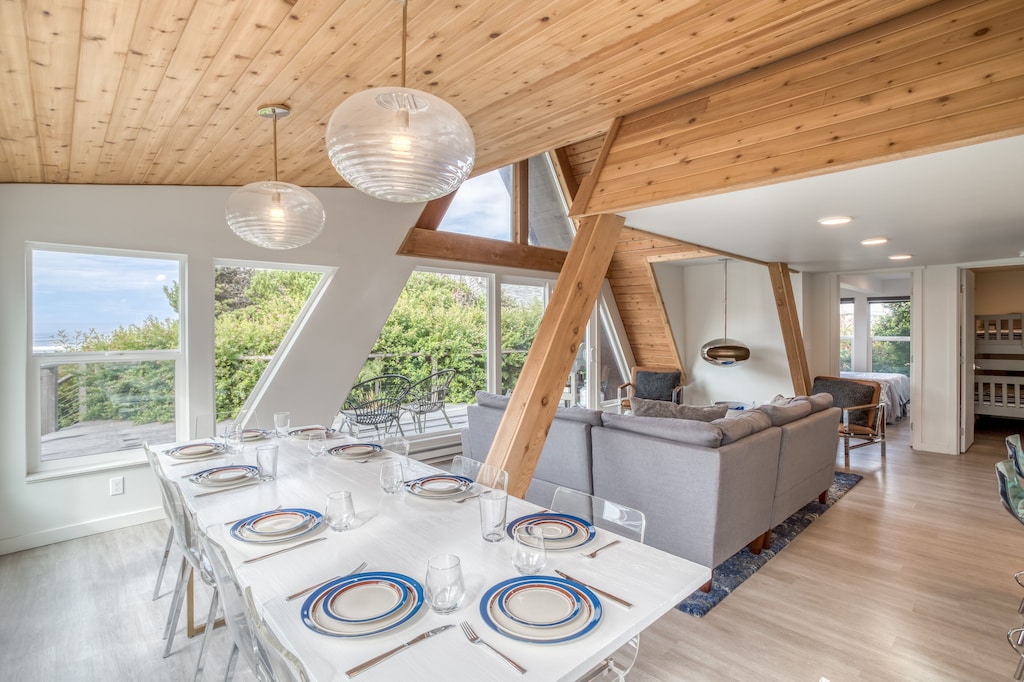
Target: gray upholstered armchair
652	383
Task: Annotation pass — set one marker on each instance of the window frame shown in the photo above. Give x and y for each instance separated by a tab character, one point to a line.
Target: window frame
36	468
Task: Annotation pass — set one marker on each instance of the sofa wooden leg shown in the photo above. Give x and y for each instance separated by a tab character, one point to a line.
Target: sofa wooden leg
706	587
823	496
760	542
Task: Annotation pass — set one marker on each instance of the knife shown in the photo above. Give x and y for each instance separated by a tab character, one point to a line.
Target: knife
282	551
619	600
388	654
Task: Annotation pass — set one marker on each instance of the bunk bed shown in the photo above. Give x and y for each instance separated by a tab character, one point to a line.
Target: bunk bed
895	392
999	363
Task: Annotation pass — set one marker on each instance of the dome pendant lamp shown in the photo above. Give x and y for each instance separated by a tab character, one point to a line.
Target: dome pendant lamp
400	144
725	352
275	215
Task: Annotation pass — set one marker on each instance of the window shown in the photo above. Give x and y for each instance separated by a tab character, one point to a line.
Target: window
106	350
846	335
482	206
522	306
254	309
890	335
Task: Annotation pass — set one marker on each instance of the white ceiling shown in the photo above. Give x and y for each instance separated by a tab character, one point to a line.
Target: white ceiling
958	206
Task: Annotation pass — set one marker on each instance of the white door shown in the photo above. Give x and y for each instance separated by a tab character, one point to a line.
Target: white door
967	337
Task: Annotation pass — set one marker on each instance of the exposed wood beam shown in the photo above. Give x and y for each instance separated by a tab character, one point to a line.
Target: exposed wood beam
789	320
524	427
462	248
582	199
433	213
947	75
521	202
563	166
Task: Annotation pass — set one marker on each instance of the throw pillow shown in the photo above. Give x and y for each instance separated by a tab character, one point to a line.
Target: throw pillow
663	408
655	385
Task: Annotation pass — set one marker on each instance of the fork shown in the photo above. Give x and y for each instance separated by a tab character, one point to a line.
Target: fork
471	635
599	549
309	589
466	498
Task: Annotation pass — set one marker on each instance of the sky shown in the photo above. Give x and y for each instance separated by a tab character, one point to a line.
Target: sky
83	291
482	207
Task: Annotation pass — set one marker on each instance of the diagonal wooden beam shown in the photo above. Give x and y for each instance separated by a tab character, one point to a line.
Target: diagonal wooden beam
433	213
581	201
520	436
789	320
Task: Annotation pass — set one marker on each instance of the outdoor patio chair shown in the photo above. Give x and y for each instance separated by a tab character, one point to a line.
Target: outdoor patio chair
429	395
377	402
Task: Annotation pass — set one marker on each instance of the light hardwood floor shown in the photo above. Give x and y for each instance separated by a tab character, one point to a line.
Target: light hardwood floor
908	577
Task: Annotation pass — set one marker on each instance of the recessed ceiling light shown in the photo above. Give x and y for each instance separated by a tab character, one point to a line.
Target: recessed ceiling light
872	241
835	220
900	256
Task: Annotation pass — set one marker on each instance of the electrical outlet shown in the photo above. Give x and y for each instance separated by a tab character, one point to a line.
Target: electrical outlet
117	485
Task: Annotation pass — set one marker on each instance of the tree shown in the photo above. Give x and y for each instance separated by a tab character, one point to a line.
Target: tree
891	355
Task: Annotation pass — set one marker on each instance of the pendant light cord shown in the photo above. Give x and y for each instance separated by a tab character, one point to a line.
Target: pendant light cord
275	146
725	264
405	24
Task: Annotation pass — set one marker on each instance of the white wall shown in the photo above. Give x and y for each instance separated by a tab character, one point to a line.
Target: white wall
752	319
360	240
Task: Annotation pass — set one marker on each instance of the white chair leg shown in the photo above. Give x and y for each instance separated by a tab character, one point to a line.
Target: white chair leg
163	563
211	618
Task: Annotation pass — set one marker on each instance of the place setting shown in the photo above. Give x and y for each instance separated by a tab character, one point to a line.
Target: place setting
356	452
193	452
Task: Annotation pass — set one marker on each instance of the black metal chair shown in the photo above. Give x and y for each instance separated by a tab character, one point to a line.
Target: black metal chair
377	402
429	395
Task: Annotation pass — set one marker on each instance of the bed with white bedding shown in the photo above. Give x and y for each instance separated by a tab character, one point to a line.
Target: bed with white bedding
895	392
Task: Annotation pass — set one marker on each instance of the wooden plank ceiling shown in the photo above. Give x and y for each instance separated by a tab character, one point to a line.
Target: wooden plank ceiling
133	92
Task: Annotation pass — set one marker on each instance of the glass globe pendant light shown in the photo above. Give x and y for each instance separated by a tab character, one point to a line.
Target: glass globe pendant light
400	144
275	215
725	352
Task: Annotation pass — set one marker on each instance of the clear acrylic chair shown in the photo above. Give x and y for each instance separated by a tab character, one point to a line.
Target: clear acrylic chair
484	474
625	521
153	464
193	562
237	617
273	660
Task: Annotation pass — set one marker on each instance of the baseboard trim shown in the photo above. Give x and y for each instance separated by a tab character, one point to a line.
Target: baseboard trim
79	530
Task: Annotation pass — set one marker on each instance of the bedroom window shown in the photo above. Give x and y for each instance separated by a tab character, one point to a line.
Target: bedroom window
846	335
890	335
106	353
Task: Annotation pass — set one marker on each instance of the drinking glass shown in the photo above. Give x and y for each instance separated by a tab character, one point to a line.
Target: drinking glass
528	555
392	478
233	441
282	423
397	445
317	443
266	460
340	512
444	585
493	504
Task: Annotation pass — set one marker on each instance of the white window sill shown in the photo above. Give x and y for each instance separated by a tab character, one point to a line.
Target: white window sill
86	469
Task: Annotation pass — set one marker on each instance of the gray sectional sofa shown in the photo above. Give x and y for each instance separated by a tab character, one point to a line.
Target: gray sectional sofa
707	488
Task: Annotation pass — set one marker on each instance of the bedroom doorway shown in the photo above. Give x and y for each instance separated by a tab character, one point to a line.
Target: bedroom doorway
993	354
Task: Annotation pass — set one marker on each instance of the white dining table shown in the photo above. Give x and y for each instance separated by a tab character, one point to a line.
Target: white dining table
398	533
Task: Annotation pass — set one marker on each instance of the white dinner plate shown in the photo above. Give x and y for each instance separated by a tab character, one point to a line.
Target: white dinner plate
305	432
279	523
539	605
242	530
315	617
195	450
586	619
366	600
226	475
439	486
561	531
254	434
356	450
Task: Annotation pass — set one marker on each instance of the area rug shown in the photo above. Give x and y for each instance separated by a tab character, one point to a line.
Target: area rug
741	565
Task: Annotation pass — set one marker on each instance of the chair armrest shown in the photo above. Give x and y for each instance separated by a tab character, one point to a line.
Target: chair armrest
628	389
677	394
879	415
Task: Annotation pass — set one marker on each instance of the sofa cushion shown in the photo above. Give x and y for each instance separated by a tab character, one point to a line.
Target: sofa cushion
575	414
491	400
748	422
783	414
655	385
663	408
681	430
819	401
